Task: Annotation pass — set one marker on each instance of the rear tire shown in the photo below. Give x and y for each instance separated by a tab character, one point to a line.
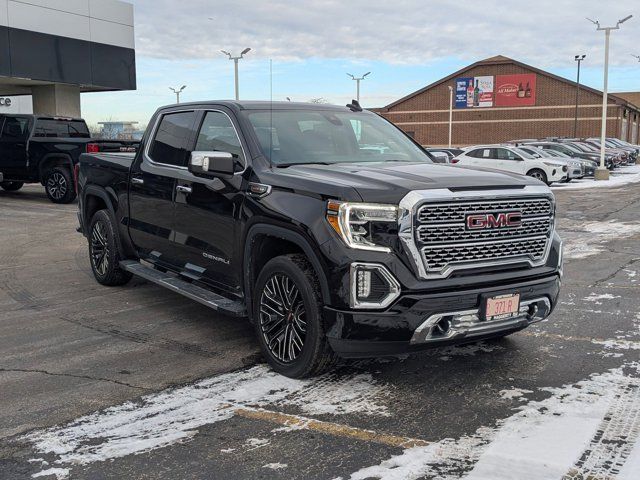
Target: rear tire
539	175
104	251
287	314
59	185
11	186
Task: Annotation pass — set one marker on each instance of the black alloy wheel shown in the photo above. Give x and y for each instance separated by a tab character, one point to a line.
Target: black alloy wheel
282	318
11	186
99	248
59	186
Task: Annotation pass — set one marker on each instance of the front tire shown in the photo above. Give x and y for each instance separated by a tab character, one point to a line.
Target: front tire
287	314
59	186
538	175
104	251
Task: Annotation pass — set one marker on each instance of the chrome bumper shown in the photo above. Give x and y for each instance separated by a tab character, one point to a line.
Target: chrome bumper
467	323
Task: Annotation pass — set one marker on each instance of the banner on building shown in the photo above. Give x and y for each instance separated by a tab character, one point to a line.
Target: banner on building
515	90
474	92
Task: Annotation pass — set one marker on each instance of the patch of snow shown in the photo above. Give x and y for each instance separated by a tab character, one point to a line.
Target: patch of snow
618	344
584	239
275	466
228	450
513	393
545	439
620	178
253	443
59	473
594	297
174	415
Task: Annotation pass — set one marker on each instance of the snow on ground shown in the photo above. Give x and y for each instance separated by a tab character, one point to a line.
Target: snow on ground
588	428
594	297
513	393
584	239
618	178
173	416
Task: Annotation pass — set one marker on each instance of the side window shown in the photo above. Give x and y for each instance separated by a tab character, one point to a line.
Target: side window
169	145
486	153
15	128
504	154
218	135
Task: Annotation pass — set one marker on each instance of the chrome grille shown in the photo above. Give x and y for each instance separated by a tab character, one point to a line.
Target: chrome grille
445	243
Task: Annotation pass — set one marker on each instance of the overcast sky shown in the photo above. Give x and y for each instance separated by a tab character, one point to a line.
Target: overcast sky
406	44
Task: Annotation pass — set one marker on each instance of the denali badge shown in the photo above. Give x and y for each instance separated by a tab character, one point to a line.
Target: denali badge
491	220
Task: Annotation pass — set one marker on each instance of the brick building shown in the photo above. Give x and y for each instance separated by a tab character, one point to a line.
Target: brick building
500	99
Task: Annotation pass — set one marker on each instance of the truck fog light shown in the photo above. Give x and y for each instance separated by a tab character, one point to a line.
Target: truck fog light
372	286
364	283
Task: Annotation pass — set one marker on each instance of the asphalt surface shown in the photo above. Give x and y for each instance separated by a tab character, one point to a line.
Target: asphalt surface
71	348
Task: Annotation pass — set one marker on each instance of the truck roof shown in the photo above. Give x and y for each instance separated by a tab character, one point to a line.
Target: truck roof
43	117
261	105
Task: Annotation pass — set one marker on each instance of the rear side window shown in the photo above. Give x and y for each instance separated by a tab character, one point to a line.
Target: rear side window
15	128
169	145
60	128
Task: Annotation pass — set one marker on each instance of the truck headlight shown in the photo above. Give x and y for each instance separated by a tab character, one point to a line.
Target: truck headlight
360	225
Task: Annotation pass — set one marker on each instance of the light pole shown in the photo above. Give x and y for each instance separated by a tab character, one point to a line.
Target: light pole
357	79
579	59
235	67
177	92
450	112
601	172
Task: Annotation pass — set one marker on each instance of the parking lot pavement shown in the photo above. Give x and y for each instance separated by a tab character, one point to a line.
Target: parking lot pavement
136	382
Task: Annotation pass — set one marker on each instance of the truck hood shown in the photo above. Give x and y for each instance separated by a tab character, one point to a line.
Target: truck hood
389	182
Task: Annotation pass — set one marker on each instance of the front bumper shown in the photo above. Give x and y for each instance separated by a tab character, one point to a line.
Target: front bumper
408	325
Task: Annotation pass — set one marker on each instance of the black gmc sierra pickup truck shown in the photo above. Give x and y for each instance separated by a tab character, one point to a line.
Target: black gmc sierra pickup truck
37	149
327	226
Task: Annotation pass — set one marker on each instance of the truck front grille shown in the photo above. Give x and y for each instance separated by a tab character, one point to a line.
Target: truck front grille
447	240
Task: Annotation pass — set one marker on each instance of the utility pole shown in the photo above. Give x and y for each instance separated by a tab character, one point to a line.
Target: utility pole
579	59
601	172
357	80
235	67
177	92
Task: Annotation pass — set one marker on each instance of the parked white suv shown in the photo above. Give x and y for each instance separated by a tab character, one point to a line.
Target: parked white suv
575	166
512	159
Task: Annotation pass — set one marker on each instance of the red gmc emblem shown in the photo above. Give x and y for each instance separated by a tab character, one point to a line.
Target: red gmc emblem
494	220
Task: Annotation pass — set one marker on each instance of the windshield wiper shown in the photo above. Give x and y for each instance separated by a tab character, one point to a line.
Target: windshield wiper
285	165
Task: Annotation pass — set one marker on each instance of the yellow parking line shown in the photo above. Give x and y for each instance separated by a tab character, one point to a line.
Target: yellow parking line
329	428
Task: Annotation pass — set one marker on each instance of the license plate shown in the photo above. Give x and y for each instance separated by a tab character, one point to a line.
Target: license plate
503	306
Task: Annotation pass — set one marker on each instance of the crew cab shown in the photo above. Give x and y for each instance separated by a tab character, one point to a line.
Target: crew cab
283	213
38	149
512	159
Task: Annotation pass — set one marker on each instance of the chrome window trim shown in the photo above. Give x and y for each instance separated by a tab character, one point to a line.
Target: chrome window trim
408	209
152	136
394	287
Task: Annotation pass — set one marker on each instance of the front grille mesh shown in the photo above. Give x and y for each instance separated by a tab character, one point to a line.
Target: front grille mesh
445	242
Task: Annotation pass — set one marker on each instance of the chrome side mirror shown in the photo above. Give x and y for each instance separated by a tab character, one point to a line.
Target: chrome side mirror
211	164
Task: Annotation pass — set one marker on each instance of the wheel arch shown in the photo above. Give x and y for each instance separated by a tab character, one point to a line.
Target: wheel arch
275	236
52	160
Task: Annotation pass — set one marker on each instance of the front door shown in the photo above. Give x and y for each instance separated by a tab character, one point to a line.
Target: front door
13	146
153	185
207	211
509	161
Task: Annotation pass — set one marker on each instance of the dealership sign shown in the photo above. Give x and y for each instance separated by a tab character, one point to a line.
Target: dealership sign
515	90
474	92
5	102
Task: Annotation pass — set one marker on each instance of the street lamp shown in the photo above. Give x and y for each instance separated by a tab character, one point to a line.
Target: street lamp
177	92
450	112
357	79
579	59
235	66
601	172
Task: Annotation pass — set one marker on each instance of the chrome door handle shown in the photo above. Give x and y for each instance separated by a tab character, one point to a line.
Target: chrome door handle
137	181
183	189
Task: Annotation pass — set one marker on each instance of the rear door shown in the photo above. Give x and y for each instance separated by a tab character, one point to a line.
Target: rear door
153	182
14	135
207	210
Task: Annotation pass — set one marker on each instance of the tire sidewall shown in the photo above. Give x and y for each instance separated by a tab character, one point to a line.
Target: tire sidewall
11	186
104	217
544	178
70	194
301	365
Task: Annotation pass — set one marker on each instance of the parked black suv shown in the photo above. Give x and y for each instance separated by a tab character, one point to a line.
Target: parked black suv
37	149
327	226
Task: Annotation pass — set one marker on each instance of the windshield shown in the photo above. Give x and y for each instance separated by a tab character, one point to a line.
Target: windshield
294	137
523	153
